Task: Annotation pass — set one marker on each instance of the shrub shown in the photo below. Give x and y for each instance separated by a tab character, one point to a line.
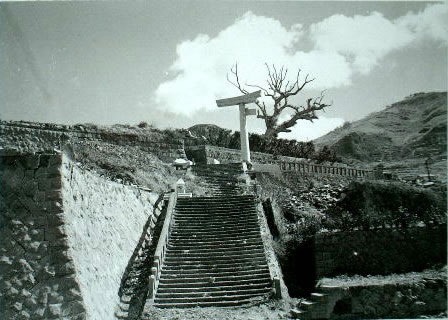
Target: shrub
374	204
143	124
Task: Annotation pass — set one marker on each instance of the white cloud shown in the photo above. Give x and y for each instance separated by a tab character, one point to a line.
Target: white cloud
365	39
431	23
341	47
202	64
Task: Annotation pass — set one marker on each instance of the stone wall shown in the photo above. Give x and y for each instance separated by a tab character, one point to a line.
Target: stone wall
207	154
38	279
67	236
399	296
104	222
382	251
40	137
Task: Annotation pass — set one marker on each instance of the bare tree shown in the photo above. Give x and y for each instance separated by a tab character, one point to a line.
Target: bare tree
281	90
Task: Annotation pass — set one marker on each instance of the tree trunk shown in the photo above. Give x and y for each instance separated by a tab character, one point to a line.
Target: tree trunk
271	133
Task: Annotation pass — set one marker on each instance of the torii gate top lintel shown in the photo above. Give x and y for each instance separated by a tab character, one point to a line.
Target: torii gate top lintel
241	101
246	98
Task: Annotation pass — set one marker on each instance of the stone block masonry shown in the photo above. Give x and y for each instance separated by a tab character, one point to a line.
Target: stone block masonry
40	137
66	236
37	275
407	295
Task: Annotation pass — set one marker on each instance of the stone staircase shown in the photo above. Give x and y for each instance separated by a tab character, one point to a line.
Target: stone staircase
222	179
215	255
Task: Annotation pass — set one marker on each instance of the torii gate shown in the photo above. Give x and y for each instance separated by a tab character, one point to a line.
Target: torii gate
241	102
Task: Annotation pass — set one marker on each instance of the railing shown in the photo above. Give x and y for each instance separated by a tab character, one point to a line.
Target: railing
323	169
161	248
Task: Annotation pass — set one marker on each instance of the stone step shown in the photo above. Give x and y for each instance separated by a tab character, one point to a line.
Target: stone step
210	216
190	238
222	234
193	240
215	226
223	298
204	212
201	199
193	304
213	289
234	204
225	272
214	232
164	283
214	219
318	297
214	293
215	202
204	261
213	223
219	251
241	204
188	259
217	245
212	204
214	268
213	279
297	313
188	243
216	250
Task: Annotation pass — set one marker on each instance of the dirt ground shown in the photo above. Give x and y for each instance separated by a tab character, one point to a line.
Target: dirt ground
267	311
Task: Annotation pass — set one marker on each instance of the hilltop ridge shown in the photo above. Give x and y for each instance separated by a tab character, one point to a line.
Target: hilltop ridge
404	134
415	126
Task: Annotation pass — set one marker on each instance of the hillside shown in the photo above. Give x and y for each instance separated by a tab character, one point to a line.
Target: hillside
402	135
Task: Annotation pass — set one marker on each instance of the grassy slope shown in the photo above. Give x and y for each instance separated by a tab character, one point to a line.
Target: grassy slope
404	122
402	136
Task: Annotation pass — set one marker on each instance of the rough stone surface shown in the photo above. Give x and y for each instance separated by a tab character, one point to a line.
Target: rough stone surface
35	277
395	296
66	238
28	136
104	221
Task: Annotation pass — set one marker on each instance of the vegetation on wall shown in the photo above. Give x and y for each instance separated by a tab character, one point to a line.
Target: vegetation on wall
377	204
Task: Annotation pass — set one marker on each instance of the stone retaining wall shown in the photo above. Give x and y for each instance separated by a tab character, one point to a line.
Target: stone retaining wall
66	237
395	299
39	138
37	275
104	221
381	251
207	154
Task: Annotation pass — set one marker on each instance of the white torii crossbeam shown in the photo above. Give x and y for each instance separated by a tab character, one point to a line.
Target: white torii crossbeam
241	101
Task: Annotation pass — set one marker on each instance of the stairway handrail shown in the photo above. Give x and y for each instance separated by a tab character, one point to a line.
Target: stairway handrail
161	248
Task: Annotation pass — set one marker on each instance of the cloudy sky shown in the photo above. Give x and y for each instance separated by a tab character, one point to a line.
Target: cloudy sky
166	62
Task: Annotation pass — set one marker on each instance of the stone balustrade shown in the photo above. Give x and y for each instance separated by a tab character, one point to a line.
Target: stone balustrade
208	154
161	248
325	169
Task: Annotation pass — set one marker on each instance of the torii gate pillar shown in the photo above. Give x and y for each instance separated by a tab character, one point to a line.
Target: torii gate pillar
244	137
241	102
